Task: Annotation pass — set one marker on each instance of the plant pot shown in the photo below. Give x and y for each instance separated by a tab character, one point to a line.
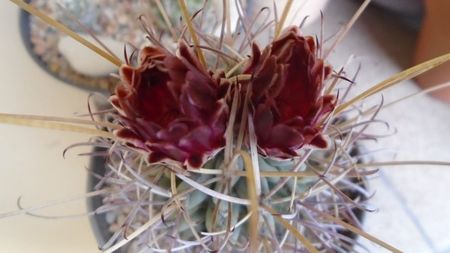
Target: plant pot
61	57
410	12
99	224
100	84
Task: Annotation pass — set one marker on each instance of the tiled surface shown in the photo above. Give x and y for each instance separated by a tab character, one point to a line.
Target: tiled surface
32	165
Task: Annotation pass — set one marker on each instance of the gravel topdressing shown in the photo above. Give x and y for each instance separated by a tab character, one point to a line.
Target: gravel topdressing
116	19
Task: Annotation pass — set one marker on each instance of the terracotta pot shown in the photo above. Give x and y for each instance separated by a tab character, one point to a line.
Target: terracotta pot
433	41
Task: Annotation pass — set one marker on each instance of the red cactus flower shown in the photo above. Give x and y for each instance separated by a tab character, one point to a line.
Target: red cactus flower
171	107
287	95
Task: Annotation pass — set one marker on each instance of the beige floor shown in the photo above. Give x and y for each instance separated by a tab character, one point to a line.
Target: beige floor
32	165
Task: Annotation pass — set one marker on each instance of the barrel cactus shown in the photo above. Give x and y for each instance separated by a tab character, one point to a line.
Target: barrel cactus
230	153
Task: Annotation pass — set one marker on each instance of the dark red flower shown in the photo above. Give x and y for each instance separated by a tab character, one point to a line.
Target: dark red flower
286	95
171	106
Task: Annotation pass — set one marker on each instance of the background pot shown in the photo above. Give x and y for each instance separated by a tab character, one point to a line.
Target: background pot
25	32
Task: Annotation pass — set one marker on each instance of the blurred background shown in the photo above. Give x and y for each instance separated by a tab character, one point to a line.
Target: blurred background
412	202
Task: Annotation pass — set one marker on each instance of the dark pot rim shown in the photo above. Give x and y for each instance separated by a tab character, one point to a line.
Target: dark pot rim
99	225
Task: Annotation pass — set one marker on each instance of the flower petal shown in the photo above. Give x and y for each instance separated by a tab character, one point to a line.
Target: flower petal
285	136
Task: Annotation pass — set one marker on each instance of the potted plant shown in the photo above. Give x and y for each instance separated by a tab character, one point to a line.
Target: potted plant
218	144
